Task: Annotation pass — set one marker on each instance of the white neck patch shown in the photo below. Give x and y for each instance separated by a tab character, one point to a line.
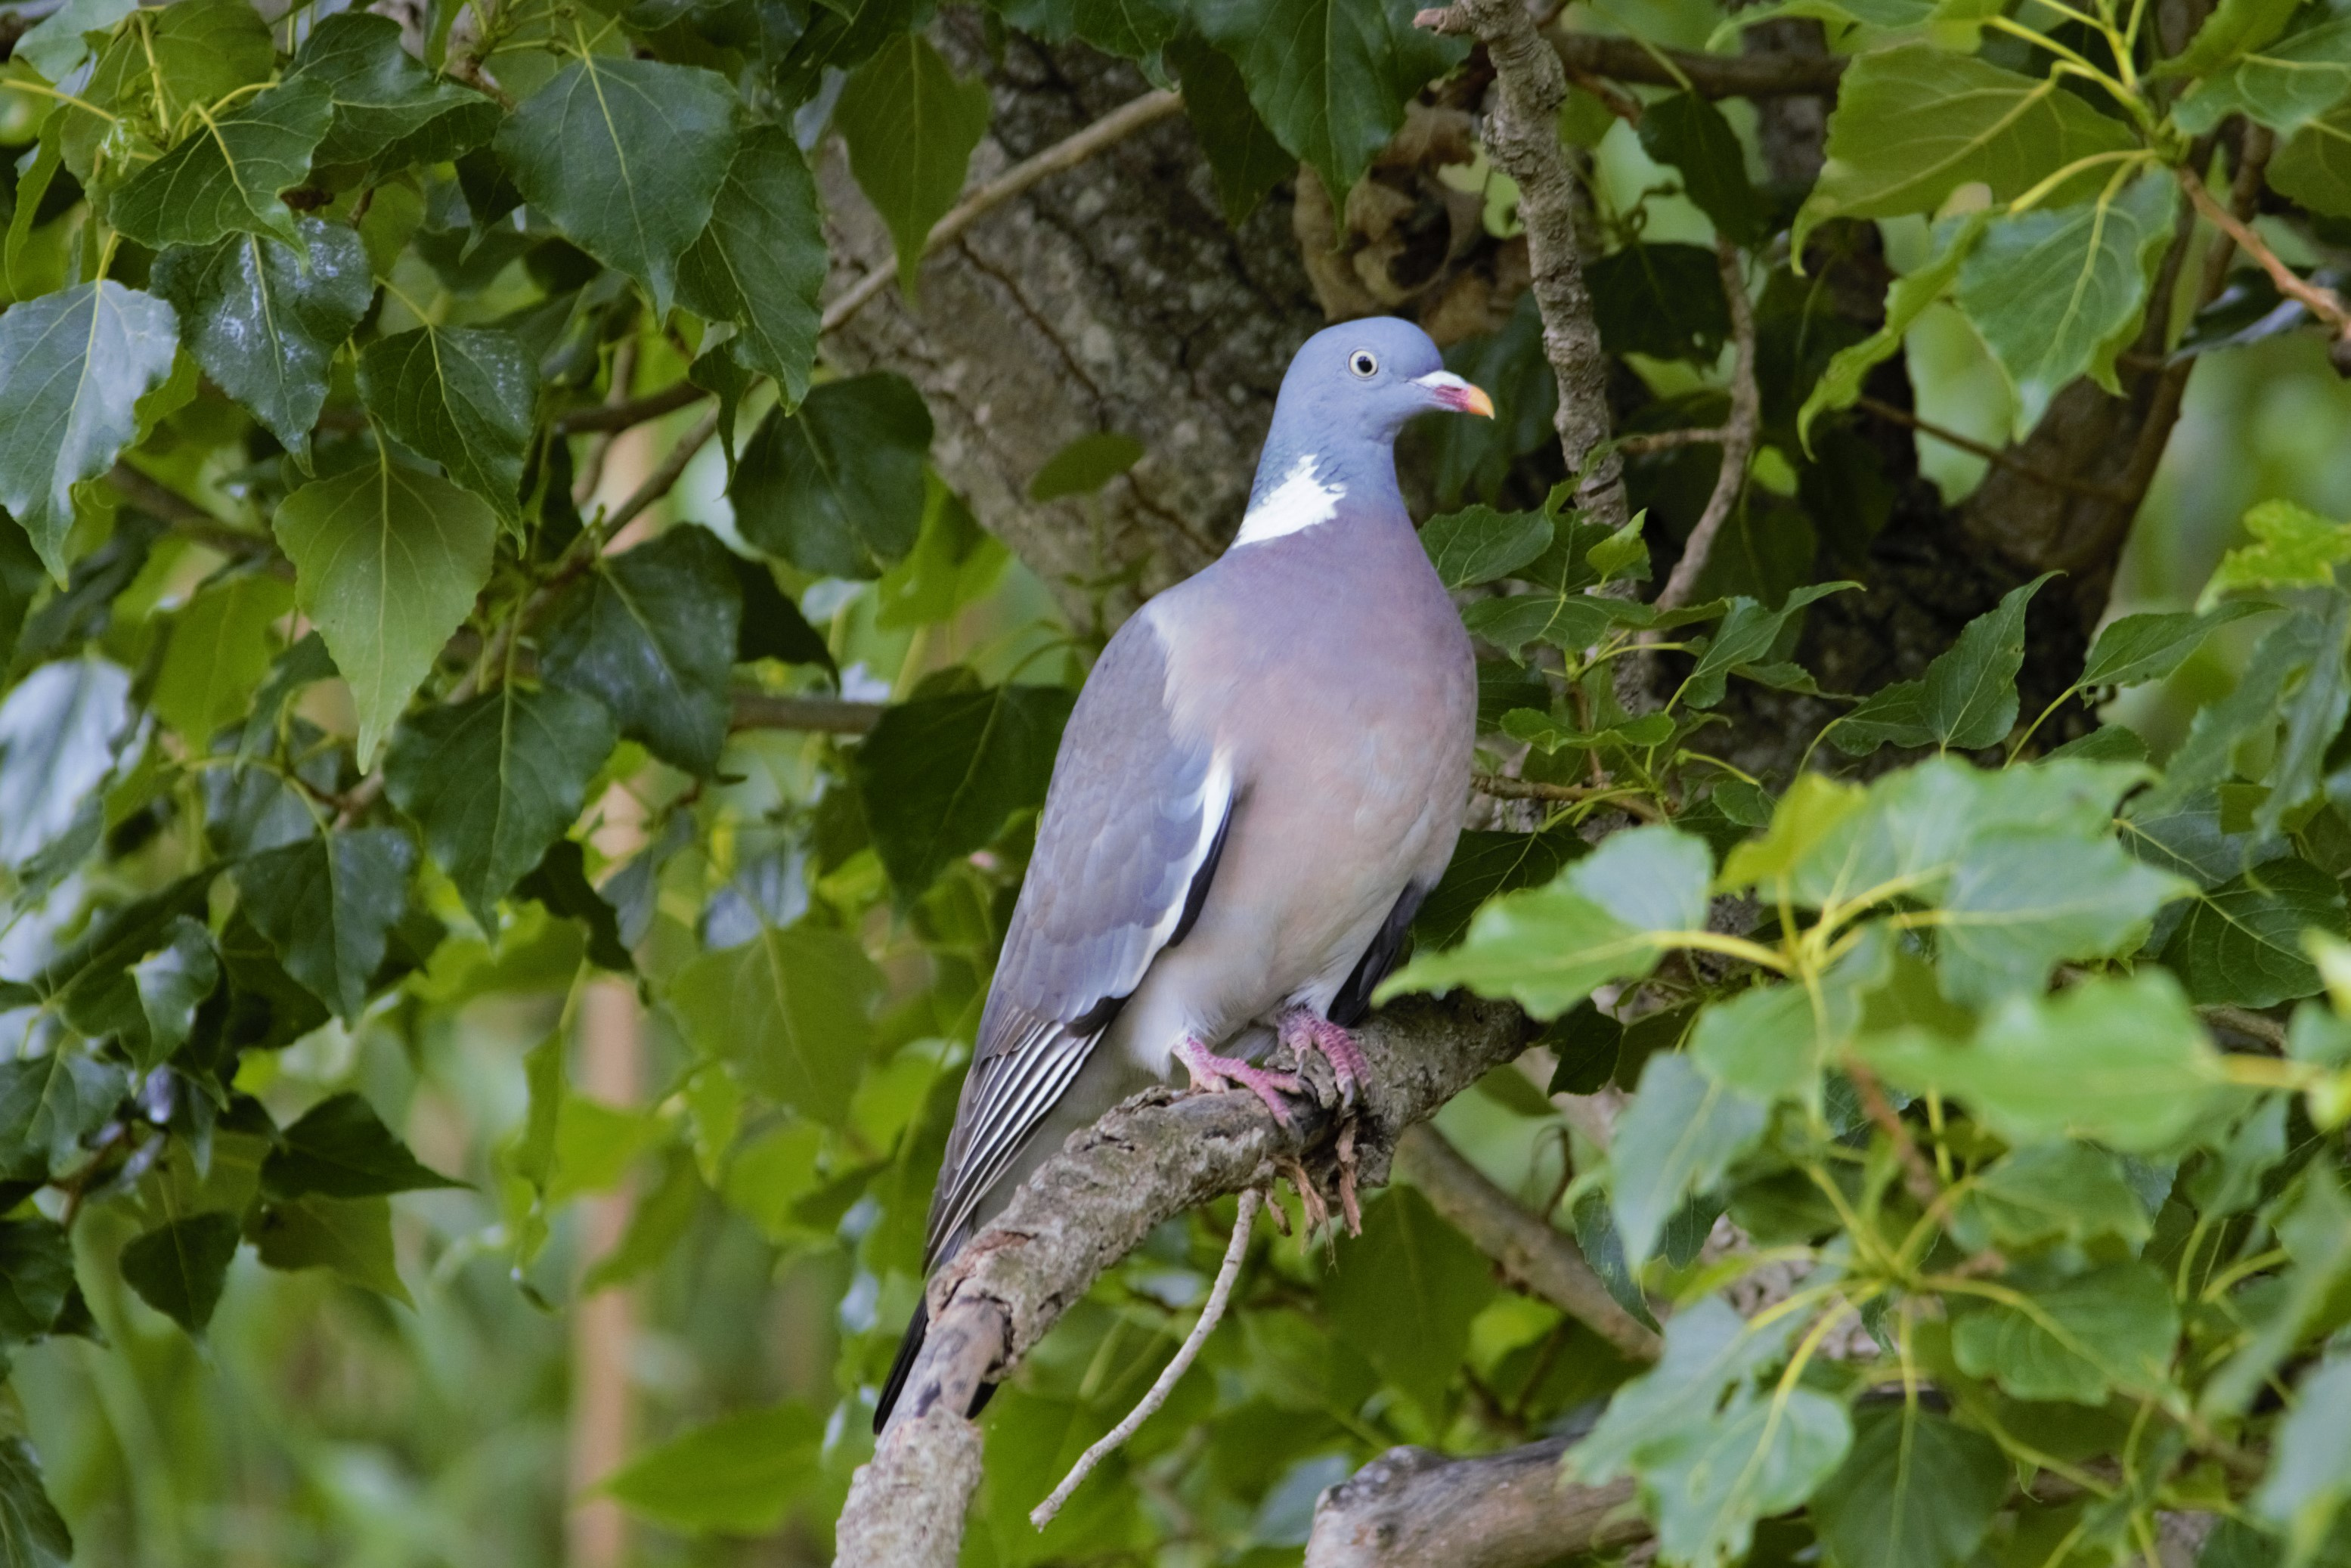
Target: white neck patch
1300	501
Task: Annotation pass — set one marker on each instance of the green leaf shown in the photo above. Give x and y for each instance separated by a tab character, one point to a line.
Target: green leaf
789	1008
836	488
1330	78
1569	620
73	366
56	46
760	263
2284	85
1750	635
151	1007
388	110
1245	158
1662	299
1676	1138
1768	1043
955	563
2057	292
1916	123
2235	27
48	1104
740	1475
37	1277
1485	863
1691	134
2314	1226
626	157
2314	167
2021	902
1967	698
1907	298
193	52
327	906
464	397
2052	1192
1915	1491
2242	942
495	781
2121	1060
351	1239
224	177
1086	466
387	561
1480	544
656	1224
2292	547
911	125
650	633
179	1269
2137	649
1609	917
2310	1460
1404	1294
32	1534
2077	1339
219	651
560	883
939	777
341	1148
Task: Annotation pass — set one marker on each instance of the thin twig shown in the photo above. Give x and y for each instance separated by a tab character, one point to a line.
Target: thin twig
1219	1294
590	477
2249	1023
1917	1174
1666	439
626	413
1065	153
1738	433
1991	454
661	480
1503	787
2323	303
817	715
188	518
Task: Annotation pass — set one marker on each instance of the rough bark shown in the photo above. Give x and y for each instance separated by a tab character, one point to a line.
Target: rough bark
1413	1508
906	1508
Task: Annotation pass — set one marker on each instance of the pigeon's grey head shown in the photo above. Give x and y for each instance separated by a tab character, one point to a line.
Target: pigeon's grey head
1348	392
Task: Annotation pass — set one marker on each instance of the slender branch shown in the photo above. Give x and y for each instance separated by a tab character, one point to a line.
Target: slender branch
1666	439
1065	153
1413	1508
630	412
1770	75
1738	433
1992	455
664	480
2323	303
192	521
820	715
1521	133
1235	1251
1528	1248
1503	787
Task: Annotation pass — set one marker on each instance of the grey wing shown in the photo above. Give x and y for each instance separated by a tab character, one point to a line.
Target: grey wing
1134	821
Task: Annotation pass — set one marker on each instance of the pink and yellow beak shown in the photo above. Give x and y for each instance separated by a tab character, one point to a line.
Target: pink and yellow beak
1449	390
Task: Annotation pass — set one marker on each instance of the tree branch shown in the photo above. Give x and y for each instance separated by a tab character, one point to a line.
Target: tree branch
630	412
819	715
1770	75
1413	1509
1997	456
1532	1252
1738	433
1521	133
2323	303
1157	1155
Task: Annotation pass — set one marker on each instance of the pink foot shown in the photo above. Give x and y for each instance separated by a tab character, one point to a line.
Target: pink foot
1211	1072
1303	1030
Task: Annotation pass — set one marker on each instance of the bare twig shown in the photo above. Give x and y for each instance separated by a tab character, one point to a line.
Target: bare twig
664	480
1065	153
1991	454
1413	1508
822	716
1528	1248
1738	433
590	477
193	522
1768	75
1148	1406
1666	439
1521	132
1917	1174
2249	1023
2323	303
626	413
1503	787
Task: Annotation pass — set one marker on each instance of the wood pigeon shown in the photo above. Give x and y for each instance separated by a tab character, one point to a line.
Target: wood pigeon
1262	778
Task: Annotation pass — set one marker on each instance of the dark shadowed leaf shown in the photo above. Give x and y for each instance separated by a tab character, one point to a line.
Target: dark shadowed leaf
179	1269
1485	863
626	157
939	777
1663	299
48	1104
73	366
462	396
495	781
911	125
560	882
1246	158
761	261
1405	1293
32	1532
36	1276
224	176
651	633
837	487
341	1148
327	906
1690	134
772	626
789	1008
1966	699
1916	1491
741	1475
1086	466
390	112
263	317
351	1239
2241	943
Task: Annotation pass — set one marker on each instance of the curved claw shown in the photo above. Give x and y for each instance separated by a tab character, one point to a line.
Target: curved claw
1303	1030
1212	1072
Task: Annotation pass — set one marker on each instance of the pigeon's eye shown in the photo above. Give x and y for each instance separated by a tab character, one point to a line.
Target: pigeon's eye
1364	363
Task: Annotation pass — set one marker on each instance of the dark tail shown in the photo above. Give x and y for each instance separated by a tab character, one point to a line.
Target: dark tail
908	1349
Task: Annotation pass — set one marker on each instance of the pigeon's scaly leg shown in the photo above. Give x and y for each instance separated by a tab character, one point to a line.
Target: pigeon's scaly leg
1303	1030
1212	1072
